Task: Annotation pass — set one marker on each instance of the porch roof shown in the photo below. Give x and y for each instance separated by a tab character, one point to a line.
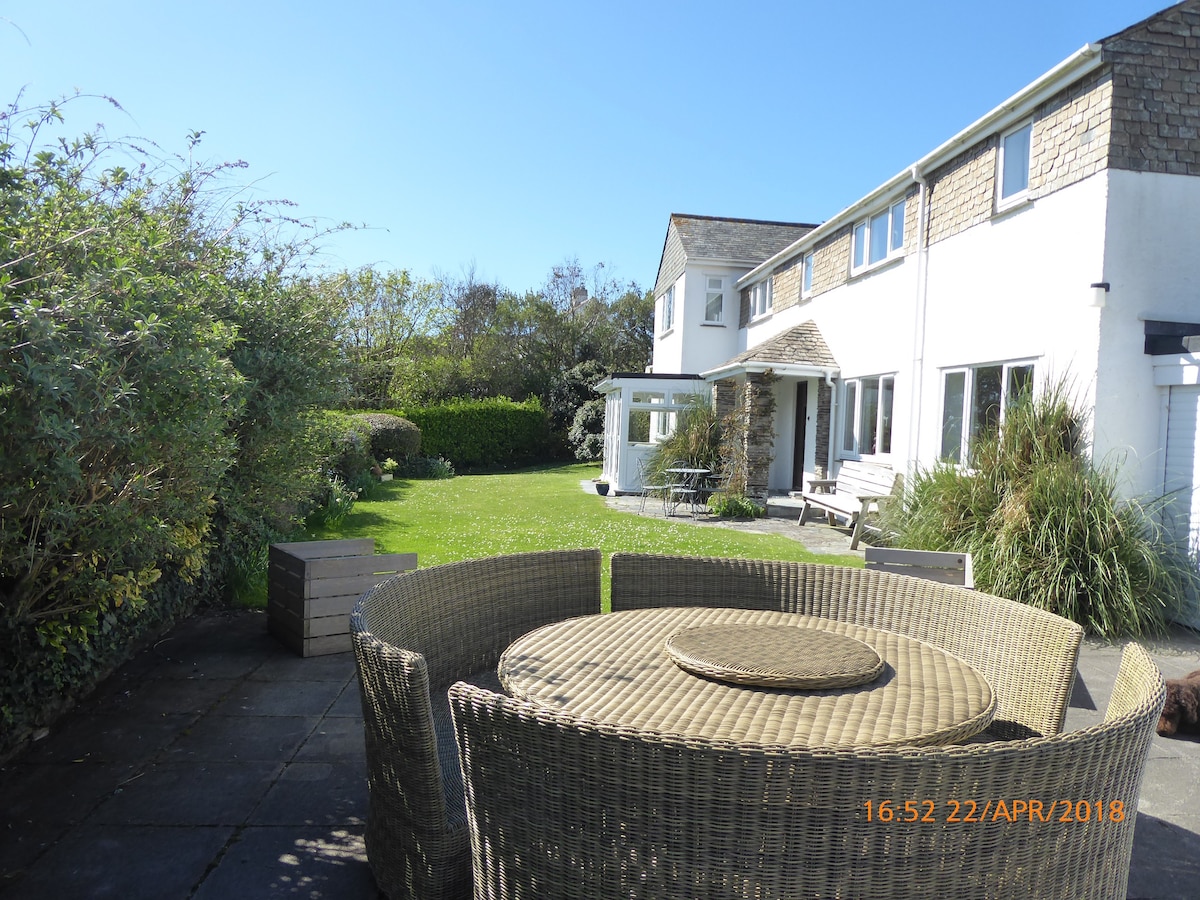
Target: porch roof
800	352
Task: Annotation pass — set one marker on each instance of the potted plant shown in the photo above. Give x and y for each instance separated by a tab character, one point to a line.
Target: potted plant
601	487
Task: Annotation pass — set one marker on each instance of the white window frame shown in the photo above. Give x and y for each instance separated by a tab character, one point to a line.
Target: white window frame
879	226
762	298
858	437
709	294
806	276
663	408
668	310
1021	194
964	419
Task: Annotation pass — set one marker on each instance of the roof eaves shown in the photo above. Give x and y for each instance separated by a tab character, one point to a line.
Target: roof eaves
1020	104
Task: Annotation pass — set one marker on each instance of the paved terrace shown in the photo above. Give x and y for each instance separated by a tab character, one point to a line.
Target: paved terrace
216	764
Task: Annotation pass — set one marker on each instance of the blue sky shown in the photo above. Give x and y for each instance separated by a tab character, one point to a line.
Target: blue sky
509	137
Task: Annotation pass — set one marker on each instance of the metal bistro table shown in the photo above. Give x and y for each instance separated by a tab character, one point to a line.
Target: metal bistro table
685	487
750	676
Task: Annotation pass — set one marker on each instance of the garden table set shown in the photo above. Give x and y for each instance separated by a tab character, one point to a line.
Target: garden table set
735	728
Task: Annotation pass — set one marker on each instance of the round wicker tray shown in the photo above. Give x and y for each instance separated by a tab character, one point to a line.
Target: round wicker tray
780	656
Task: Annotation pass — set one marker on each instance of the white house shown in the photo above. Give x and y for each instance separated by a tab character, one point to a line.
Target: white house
1056	236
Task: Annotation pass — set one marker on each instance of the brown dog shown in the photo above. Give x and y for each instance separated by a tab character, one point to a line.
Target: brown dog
1181	712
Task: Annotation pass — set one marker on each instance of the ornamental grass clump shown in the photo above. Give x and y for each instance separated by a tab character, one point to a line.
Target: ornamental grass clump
1044	524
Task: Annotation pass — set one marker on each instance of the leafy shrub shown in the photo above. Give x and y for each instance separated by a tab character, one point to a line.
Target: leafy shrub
483	434
696	442
391	435
1044	524
735	506
586	434
350	454
425	467
335	505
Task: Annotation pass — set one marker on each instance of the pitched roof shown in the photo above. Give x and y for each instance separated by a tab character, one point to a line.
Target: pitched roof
744	240
799	347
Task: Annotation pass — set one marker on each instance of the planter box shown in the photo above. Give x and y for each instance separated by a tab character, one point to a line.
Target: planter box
312	587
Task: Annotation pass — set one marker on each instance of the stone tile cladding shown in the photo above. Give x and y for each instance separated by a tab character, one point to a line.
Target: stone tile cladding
1071	135
787	283
961	192
1156	93
673	260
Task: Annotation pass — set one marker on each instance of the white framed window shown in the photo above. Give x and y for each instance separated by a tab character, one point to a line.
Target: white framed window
867	405
654	414
974	399
878	237
807	277
1012	165
714	299
668	310
762	298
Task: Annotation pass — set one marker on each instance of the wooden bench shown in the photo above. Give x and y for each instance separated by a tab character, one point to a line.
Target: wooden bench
948	568
857	490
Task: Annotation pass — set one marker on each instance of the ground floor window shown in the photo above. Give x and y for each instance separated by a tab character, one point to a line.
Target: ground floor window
653	414
867	415
974	400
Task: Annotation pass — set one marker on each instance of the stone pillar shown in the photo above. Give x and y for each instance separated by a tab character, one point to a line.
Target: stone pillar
724	393
824	427
760	433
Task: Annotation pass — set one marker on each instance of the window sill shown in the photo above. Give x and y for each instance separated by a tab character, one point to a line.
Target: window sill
667	333
1012	208
877	267
712	324
754	320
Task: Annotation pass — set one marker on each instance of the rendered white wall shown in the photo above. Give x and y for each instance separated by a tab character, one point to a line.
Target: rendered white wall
1154	270
1017	287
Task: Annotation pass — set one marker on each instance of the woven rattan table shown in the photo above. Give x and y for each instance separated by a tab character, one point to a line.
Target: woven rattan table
616	669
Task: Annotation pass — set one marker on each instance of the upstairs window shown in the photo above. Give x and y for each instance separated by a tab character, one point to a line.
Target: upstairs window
762	298
974	401
668	309
867	415
806	279
714	299
1012	165
879	237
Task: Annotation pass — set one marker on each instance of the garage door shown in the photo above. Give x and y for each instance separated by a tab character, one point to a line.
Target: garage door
1182	472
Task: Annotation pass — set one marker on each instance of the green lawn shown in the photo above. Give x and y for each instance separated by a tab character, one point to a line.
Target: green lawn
536	509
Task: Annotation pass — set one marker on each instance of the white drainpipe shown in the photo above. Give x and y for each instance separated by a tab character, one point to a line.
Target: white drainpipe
914	418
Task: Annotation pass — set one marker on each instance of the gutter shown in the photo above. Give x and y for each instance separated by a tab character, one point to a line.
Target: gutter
1080	63
758	368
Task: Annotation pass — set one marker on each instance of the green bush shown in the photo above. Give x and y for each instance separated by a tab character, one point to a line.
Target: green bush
1044	524
391	436
586	434
161	373
483	434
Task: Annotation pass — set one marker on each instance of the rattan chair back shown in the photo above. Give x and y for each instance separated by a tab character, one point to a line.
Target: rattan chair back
1028	655
562	807
413	635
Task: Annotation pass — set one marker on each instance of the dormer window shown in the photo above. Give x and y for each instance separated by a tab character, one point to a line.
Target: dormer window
878	238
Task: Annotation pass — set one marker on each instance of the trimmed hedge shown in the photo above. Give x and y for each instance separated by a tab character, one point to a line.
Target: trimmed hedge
391	436
483	434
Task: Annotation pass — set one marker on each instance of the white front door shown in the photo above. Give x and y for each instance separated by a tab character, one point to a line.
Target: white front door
1181	476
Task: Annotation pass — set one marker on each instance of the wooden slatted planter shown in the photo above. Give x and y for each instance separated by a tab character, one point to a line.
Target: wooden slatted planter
312	587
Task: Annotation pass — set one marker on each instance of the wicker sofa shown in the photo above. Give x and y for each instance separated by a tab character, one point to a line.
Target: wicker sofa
1028	655
413	636
560	808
